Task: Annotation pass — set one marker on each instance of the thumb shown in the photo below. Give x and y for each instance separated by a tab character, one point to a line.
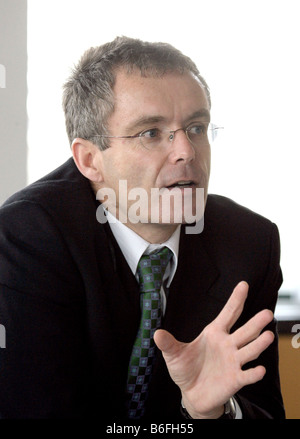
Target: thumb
166	342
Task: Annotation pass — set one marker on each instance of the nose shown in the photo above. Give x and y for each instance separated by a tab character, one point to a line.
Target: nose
181	148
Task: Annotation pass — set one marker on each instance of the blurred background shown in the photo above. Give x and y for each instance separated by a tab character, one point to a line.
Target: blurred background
246	50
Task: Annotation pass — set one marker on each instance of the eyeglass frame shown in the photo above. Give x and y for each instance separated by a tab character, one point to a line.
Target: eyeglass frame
171	134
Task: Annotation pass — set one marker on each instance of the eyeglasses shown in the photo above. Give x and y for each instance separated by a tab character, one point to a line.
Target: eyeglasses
198	134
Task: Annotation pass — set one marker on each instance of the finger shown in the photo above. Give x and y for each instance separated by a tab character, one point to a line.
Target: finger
253	350
234	306
166	342
252	375
251	330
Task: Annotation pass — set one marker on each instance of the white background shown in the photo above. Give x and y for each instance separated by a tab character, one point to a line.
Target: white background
248	51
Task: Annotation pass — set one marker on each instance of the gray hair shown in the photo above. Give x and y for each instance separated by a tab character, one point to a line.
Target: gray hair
88	98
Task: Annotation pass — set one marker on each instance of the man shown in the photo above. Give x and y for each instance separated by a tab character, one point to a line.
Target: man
137	113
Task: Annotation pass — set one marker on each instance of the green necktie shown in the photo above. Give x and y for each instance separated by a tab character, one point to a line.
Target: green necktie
151	269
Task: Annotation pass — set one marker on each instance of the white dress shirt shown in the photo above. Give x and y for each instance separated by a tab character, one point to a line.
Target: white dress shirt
134	246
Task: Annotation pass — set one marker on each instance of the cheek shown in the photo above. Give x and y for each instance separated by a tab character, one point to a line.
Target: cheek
139	167
208	163
137	172
114	168
202	160
205	158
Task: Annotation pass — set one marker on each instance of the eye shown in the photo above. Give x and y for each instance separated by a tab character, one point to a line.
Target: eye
151	138
197	129
153	133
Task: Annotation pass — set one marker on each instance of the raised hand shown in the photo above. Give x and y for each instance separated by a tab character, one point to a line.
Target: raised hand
208	370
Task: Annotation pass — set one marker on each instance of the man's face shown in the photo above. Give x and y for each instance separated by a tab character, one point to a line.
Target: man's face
169	102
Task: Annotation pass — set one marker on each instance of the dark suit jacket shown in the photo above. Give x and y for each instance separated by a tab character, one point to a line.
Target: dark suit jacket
70	304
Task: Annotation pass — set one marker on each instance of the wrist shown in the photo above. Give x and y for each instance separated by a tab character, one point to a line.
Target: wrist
189	413
227	411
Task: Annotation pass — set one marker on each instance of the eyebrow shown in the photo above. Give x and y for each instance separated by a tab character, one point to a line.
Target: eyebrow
200	114
145	121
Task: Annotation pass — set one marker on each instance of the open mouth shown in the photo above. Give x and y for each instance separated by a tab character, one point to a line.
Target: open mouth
182	184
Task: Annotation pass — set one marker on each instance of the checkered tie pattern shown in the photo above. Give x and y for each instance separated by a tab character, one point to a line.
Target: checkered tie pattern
151	269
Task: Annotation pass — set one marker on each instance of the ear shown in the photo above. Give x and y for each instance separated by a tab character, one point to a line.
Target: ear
88	159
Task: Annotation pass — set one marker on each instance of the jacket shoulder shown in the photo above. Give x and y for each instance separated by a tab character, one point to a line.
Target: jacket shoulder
41	232
223	213
62	182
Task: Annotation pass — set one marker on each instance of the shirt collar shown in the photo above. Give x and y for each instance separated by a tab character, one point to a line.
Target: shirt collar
134	246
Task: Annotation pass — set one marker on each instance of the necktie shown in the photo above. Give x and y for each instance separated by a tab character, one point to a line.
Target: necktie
151	269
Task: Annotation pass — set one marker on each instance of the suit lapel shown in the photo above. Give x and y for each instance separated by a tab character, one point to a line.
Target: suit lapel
113	314
190	307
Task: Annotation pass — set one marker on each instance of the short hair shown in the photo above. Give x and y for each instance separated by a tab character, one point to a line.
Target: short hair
88	98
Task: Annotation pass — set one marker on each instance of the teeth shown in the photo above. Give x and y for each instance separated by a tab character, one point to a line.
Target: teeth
183	183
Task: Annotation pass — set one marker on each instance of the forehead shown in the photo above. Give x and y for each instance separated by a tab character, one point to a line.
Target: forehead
172	98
